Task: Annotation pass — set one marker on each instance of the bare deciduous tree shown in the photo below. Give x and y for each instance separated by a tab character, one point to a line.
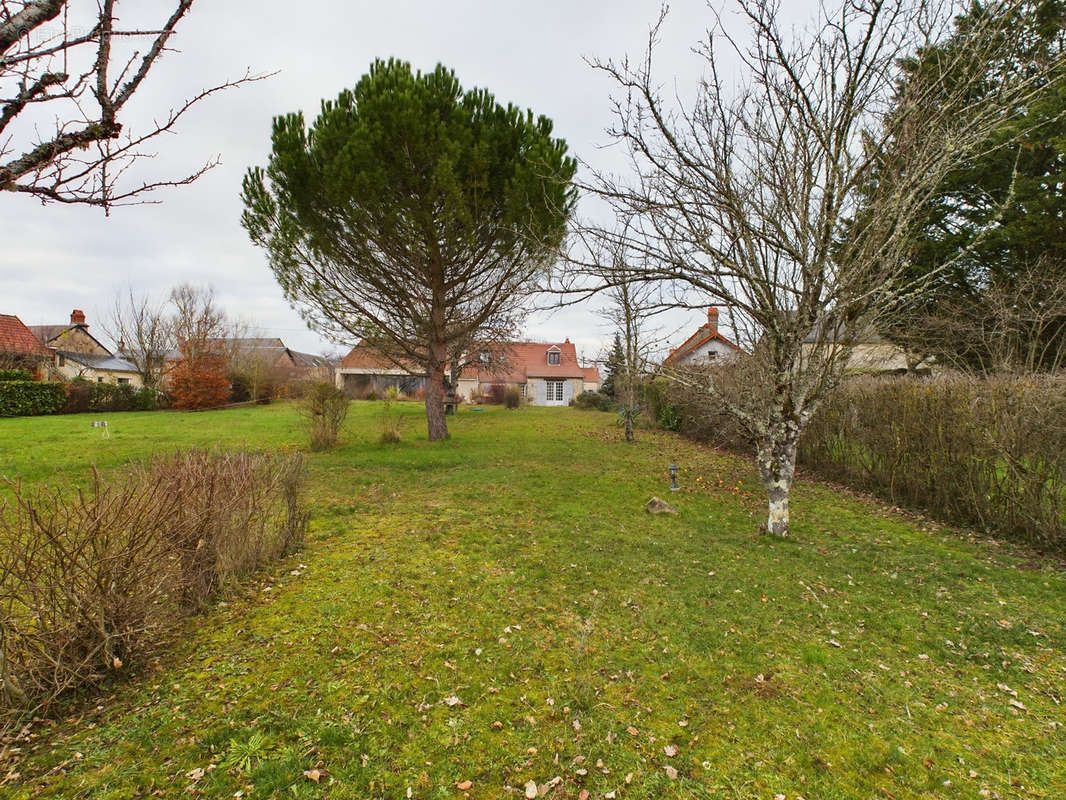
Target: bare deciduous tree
143	330
1017	327
760	195
68	69
200	327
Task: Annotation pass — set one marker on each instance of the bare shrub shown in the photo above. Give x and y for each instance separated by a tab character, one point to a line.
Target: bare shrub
390	419
325	408
88	579
81	579
989	452
238	512
512	398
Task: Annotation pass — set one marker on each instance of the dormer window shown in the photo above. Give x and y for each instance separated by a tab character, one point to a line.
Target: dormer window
554	357
486	357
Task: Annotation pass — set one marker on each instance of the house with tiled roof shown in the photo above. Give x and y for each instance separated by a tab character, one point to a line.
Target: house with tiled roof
706	346
76	353
19	348
545	373
365	372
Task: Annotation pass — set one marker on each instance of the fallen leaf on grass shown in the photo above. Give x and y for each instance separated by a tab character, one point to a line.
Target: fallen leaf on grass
462	786
671	773
670	751
313	775
531	790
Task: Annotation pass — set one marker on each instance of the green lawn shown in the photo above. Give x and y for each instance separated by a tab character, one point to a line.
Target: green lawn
498	609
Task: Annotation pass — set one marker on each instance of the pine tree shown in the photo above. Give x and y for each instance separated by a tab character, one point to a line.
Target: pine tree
413	213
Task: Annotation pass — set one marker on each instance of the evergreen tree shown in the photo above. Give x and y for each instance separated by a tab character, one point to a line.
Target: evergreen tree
1004	209
616	363
412	213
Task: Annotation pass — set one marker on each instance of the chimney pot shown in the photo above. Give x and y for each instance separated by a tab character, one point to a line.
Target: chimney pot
712	318
77	317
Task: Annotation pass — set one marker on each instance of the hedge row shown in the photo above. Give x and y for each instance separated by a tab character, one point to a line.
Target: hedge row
88	579
84	396
986	452
983	452
30	398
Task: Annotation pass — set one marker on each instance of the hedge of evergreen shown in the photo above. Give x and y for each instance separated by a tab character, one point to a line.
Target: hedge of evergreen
22	398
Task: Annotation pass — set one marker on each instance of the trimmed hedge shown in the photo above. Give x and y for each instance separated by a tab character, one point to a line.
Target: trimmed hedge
593	401
30	398
84	396
15	375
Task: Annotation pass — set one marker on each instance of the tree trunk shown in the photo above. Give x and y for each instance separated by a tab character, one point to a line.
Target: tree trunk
629	424
777	466
435	420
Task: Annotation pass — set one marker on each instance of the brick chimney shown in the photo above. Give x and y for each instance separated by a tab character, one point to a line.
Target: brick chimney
77	317
712	319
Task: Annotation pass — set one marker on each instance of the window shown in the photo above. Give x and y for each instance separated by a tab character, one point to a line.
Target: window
486	357
554	357
99	380
555	391
712	355
122	381
60	360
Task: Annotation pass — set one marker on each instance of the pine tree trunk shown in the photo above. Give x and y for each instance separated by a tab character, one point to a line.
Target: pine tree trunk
435	419
777	466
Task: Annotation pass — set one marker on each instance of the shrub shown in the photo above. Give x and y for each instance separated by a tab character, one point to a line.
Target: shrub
494	394
657	400
111	397
240	389
15	375
324	407
239	511
390	420
989	452
88	579
199	383
147	399
593	401
30	398
79	397
512	398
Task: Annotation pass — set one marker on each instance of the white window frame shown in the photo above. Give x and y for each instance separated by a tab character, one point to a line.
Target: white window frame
555	357
555	391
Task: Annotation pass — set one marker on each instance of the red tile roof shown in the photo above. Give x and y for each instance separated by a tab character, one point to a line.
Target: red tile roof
521	361
703	334
592	374
17	338
365	357
526	360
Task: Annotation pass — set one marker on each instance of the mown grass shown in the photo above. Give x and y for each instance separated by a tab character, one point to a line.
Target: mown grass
499	609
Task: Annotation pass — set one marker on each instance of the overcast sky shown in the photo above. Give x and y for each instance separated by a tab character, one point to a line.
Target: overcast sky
56	258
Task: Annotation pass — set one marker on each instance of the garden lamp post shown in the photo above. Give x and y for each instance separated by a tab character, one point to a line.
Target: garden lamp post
673	478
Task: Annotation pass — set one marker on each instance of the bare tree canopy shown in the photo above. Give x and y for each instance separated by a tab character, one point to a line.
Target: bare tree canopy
68	69
749	197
